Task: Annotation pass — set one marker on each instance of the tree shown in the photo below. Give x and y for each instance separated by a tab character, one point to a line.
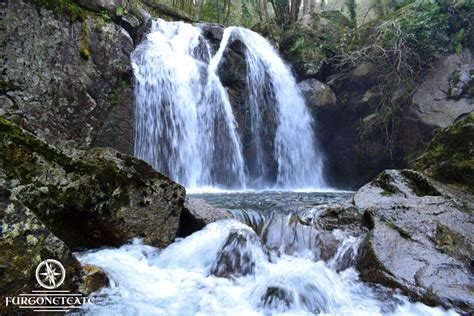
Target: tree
286	11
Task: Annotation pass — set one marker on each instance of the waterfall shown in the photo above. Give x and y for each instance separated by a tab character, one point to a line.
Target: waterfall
186	126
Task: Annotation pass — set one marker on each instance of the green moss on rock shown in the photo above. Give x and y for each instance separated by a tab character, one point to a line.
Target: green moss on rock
67	7
449	157
90	198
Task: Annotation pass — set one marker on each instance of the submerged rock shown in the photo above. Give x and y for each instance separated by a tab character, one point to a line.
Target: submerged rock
421	239
277	298
90	198
240	255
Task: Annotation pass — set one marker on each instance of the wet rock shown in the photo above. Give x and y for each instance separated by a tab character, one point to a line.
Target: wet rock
421	238
293	235
196	214
25	242
239	256
277	298
90	198
213	33
449	156
317	94
340	216
93	279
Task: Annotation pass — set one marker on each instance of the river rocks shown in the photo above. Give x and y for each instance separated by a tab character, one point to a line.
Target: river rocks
420	240
449	156
94	198
67	80
196	214
239	256
93	279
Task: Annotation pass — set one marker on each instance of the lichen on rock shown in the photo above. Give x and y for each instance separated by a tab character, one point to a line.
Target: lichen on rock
90	198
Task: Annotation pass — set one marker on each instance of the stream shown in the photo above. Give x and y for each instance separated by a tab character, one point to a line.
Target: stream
271	260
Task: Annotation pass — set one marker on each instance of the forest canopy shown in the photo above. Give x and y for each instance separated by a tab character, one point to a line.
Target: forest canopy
285	12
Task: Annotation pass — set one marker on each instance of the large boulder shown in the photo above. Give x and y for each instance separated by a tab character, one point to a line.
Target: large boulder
99	5
25	242
90	198
421	239
449	157
196	214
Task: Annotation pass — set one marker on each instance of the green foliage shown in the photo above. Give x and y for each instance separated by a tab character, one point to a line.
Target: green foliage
402	47
84	51
351	5
113	95
315	44
119	11
67	7
458	39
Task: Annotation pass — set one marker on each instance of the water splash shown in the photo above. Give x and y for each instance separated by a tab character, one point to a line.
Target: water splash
185	125
184	279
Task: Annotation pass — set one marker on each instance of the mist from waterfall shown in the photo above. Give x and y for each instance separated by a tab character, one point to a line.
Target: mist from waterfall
184	122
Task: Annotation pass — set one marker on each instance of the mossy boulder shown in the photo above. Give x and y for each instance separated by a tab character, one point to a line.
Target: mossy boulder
450	155
24	243
90	198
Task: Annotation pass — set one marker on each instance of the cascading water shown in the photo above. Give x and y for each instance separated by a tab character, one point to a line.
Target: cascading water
272	265
185	125
178	105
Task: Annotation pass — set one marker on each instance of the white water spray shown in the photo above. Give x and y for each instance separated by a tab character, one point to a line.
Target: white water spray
181	280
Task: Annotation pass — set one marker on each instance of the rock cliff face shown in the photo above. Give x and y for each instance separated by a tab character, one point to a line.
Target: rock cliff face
66	75
355	154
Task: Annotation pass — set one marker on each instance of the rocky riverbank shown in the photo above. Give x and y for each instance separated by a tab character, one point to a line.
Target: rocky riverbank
66	89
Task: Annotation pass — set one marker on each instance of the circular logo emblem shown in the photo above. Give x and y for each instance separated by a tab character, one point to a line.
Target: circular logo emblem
50	274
